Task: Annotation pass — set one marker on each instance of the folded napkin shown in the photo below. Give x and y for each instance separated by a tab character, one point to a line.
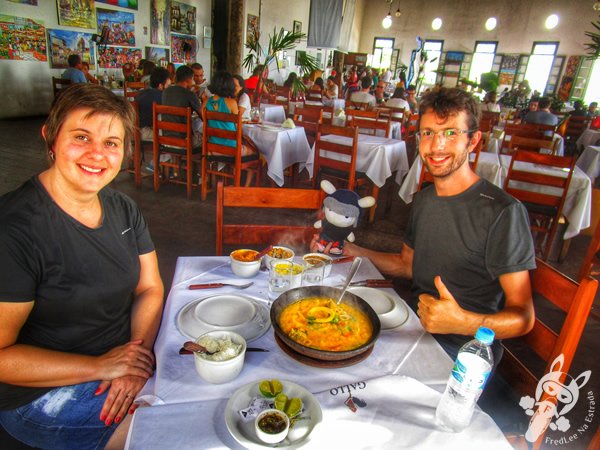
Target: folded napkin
288	123
340	112
395	411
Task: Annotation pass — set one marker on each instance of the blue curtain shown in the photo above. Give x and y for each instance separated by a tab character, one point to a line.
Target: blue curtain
325	23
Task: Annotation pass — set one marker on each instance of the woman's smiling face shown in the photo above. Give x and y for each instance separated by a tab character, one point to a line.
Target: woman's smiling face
88	150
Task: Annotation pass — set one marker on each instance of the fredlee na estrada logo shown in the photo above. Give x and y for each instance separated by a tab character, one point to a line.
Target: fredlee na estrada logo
553	400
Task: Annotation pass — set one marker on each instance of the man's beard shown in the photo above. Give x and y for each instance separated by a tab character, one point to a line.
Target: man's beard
457	161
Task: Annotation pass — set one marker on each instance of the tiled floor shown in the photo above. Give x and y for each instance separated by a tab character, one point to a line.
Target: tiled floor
186	227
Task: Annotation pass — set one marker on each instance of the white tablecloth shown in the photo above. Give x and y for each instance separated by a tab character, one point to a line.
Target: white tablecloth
589	162
192	413
488	167
588	137
578	204
272	113
377	156
281	147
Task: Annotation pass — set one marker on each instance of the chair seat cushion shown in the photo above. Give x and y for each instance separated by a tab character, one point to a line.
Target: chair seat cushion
231	159
544	210
179	150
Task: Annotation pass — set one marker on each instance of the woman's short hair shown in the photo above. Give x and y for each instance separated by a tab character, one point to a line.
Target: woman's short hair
242	84
222	85
398	93
446	102
98	100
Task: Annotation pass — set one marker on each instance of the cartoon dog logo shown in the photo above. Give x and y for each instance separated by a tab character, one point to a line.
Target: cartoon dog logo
548	413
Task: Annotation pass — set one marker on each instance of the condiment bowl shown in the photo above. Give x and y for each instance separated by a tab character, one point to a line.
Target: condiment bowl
277	427
278	250
241	268
311	258
219	372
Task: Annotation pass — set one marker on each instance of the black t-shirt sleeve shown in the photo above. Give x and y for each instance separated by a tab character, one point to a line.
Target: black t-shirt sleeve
509	244
18	276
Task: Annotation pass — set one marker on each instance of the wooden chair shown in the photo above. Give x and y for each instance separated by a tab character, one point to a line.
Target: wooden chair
544	207
372	114
369	126
574	128
314	96
215	153
426	177
493	117
309	200
572	298
58	84
592	256
310	119
363	106
394	113
132	88
138	147
544	146
340	161
520	130
174	138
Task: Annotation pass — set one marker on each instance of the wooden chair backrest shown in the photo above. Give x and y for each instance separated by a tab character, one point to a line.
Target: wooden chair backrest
370	126
314	95
373	114
575	299
162	121
348	151
211	131
310	119
552	201
576	126
310	200
132	88
494	117
395	114
520	130
533	145
363	106
58	84
485	125
561	129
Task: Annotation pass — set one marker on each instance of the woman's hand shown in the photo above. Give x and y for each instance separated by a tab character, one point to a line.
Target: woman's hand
130	359
122	393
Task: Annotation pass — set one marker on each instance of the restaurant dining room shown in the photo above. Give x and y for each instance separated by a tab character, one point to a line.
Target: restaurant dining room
362	224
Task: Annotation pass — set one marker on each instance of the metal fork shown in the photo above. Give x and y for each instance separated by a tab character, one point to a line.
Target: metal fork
219	285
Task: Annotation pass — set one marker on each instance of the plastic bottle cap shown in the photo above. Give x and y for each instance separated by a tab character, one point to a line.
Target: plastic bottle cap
485	335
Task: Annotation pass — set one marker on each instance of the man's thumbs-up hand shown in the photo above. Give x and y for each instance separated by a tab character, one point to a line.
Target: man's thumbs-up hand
440	315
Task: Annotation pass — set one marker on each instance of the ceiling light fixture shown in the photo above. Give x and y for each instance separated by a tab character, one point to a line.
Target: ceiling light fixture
551	21
436	24
490	24
398	13
387	20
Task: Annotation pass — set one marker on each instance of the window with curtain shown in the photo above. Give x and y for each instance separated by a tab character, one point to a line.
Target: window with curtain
434	51
382	53
483	59
540	65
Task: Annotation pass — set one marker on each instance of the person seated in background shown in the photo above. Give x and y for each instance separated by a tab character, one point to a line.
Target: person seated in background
88	76
306	81
289	82
592	109
254	83
147	70
75	70
128	72
397	101
172	72
199	80
81	296
180	94
489	102
380	91
351	79
541	116
363	96
318	87
411	98
138	71
579	110
159	81
461	278
223	99
242	96
331	91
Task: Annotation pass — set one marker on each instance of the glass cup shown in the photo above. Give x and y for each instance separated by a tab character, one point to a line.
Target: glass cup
280	276
255	114
313	274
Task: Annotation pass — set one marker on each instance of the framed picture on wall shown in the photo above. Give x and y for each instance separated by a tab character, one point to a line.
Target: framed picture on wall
252	25
297	26
76	14
208	31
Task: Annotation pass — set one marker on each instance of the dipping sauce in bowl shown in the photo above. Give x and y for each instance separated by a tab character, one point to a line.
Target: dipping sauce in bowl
272	426
243	264
244	255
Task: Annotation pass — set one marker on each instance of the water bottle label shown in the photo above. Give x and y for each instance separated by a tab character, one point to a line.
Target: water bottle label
471	371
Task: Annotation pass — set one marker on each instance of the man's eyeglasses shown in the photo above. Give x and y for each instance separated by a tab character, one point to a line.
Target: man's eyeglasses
449	134
380	87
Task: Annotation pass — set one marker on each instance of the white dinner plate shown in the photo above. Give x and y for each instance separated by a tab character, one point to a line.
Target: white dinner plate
232	312
243	431
391	312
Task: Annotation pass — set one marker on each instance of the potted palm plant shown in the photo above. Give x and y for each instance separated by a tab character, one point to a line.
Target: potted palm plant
279	42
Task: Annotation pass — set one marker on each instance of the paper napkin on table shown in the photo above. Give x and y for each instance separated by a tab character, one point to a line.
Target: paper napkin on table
288	123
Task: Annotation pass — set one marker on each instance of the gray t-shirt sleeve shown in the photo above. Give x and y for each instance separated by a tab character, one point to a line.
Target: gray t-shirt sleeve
510	245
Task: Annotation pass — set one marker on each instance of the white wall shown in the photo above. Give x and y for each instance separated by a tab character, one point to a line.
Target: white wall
26	86
520	23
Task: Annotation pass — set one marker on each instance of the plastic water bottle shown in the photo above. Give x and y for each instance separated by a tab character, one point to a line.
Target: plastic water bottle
467	380
105	80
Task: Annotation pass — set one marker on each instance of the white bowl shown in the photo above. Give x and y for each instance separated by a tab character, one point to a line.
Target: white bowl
219	372
321	256
391	313
269	258
272	438
244	269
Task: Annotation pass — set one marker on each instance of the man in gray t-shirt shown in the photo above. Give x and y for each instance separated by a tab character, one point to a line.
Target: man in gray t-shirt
468	248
